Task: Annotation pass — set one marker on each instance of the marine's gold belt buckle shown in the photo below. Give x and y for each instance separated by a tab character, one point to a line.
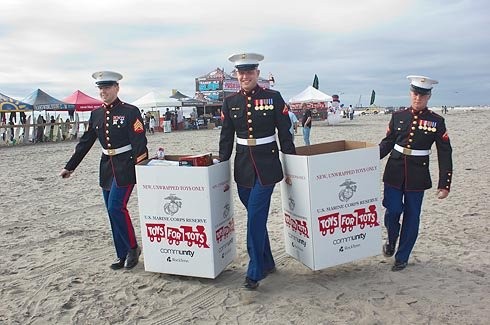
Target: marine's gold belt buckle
407	151
251	142
111	152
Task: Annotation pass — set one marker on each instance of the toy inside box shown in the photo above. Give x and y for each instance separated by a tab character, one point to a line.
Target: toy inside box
332	207
196	160
186	217
202	160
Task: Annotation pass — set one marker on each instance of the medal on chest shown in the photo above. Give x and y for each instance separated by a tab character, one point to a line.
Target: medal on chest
263	104
118	120
427	125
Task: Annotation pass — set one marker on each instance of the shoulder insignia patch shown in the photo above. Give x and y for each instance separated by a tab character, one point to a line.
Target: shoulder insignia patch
138	127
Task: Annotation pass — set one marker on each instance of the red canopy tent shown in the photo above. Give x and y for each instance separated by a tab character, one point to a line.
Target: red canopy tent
83	102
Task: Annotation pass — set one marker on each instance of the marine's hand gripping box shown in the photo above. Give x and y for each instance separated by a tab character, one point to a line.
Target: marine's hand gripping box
332	206
186	216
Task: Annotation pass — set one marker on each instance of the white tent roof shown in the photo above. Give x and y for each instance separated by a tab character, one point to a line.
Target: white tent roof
311	95
152	99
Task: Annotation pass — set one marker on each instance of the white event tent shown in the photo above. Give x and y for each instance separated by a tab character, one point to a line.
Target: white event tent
315	99
311	95
155	100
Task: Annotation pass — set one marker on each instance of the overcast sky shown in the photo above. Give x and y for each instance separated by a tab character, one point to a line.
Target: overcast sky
354	46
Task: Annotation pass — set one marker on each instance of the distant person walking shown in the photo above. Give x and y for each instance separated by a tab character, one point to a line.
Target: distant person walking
167	127
306	123
194	123
180	119
153	124
294	122
147	119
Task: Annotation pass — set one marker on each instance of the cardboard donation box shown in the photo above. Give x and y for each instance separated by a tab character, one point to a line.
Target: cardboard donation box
186	216
332	206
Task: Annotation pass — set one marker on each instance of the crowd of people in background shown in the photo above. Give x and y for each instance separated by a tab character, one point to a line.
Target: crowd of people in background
175	119
150	122
12	132
12	125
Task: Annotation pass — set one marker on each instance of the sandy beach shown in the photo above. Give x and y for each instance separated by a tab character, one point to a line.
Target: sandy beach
57	247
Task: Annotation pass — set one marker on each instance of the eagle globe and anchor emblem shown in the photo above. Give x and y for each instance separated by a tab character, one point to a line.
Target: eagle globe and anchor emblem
348	191
173	206
226	211
291	203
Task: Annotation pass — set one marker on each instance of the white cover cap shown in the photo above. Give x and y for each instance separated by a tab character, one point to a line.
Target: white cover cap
106	77
246	61
421	84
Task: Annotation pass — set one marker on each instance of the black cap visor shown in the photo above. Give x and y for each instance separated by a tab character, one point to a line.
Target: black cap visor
105	83
246	67
420	90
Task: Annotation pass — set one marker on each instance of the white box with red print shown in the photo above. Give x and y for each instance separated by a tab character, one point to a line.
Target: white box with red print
332	207
186	217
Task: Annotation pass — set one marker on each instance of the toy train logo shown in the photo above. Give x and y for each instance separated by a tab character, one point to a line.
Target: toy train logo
346	222
174	235
296	225
225	231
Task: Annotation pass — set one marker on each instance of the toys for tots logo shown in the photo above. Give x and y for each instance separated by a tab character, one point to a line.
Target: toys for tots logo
176	235
298	226
346	222
223	232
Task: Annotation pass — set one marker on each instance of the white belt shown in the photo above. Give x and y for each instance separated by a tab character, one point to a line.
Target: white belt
256	142
117	151
411	152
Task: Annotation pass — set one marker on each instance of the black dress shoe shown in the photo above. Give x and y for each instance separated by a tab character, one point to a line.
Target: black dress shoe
269	271
398	266
118	264
132	258
250	284
388	250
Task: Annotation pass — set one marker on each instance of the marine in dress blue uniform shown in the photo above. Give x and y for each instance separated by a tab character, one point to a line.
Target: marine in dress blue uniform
119	128
254	114
409	139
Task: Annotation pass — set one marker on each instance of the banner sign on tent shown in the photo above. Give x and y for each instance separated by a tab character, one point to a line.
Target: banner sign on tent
8	104
234	85
299	106
42	101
